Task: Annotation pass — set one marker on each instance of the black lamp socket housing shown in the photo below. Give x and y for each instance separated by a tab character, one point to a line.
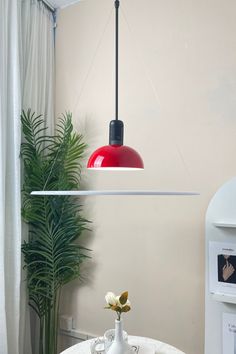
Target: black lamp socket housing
116	132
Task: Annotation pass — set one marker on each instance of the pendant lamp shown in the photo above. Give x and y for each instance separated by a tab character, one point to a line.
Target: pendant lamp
115	156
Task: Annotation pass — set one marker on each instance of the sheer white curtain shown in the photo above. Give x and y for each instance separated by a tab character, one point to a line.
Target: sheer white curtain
37	53
38	59
10	217
26	81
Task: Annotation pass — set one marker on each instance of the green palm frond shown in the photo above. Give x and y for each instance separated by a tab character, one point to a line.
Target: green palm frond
52	255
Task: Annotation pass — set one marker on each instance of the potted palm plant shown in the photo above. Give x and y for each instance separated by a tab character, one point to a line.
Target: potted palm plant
52	253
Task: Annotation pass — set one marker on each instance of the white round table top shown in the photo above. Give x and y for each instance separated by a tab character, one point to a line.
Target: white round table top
160	347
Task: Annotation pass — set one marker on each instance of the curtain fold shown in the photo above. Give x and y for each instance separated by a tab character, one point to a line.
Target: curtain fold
38	59
26	81
10	215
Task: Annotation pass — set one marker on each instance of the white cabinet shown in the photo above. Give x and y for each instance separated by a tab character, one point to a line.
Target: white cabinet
220	227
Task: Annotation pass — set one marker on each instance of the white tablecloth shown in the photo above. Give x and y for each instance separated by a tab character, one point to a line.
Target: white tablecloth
161	348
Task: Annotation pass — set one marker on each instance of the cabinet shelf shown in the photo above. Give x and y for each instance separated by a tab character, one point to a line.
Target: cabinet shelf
231	299
115	192
225	224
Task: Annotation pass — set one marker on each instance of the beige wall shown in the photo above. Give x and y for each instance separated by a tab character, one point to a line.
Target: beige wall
178	103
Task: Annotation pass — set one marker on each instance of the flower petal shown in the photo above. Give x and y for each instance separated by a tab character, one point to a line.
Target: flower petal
111	299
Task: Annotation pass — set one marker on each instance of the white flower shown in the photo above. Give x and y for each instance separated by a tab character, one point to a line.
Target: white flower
111	299
119	303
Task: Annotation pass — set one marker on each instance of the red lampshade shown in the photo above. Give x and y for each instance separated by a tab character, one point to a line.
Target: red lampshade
115	157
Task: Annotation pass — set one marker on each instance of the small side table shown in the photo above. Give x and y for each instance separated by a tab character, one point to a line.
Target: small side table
161	348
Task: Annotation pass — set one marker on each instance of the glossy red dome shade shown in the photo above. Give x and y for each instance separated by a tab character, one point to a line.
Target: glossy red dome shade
118	157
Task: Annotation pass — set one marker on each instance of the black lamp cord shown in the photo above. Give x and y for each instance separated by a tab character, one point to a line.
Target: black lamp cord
116	130
117	4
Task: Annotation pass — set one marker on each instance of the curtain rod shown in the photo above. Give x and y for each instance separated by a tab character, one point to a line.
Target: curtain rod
48	5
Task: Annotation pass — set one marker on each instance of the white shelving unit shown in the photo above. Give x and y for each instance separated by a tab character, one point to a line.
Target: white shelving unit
220	227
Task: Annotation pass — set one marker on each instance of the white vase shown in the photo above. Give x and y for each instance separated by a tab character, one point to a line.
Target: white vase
119	345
